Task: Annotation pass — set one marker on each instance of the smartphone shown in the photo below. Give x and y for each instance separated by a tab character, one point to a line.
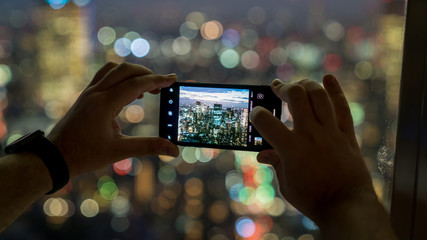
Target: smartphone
214	115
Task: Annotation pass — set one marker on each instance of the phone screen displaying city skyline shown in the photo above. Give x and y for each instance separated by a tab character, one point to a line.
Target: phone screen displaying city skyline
211	115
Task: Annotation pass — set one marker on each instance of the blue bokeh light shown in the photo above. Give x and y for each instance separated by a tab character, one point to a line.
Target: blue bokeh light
308	224
230	38
140	47
57	4
245	227
122	47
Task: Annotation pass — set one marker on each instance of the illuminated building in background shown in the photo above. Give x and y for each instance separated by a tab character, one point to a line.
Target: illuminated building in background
217	114
63	50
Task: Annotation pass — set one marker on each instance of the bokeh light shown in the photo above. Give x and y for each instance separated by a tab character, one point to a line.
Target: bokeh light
123	167
119	224
166	174
196	19
120	206
189	30
309	224
357	112
107	188
140	47
181	46
89	208
81	3
55	207
134	114
245	227
57	4
364	70
230	38
5	75
333	30
250	59
211	30
122	47
229	58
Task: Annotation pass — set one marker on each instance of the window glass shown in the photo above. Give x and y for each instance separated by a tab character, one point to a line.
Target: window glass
49	51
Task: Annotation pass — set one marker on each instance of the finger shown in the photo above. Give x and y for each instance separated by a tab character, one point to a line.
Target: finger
268	157
129	90
102	72
270	127
339	101
128	146
320	102
299	104
121	73
155	91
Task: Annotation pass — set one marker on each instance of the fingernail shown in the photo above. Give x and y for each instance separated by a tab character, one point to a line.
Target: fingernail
171	75
330	80
276	82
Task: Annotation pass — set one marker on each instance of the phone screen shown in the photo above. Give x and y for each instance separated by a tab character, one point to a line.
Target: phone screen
214	115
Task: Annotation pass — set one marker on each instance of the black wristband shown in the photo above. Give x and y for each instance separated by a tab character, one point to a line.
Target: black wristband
38	144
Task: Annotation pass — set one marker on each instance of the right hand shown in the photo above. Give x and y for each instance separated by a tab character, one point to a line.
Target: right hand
318	164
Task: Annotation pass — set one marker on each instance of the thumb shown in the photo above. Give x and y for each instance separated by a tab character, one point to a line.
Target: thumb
268	157
129	146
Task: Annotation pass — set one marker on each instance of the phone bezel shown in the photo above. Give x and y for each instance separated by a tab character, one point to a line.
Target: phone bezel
165	97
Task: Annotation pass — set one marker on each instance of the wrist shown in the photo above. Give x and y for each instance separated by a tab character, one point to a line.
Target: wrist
360	217
37	144
33	172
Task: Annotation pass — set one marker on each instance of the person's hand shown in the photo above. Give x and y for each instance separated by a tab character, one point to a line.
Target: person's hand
90	138
319	166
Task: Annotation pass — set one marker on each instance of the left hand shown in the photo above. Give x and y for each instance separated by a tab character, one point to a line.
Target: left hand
90	138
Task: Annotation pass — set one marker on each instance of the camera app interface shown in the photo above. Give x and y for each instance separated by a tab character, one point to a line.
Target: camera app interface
213	116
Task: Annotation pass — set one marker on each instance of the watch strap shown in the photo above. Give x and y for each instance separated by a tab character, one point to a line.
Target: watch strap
51	157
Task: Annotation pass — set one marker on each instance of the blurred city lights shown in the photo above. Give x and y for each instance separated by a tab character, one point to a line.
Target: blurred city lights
5	75
189	30
229	58
201	192
119	224
107	188
357	112
230	38
181	46
123	167
310	225
333	30
89	208
122	47
166	174
250	59
57	4
106	35
245	227
120	206
81	3
211	30
134	114
55	207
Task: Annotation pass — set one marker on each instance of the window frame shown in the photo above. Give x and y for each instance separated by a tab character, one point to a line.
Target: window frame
409	195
